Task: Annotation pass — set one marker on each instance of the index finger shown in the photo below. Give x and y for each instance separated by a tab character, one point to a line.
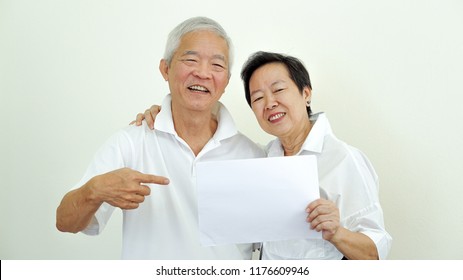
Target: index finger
149	118
153	179
139	119
314	204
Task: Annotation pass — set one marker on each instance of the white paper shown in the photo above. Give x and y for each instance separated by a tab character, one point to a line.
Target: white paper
256	200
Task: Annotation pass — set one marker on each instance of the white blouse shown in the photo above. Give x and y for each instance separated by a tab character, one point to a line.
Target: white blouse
348	179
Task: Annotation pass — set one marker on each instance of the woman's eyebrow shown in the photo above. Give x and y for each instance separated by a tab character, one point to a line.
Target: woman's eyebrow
277	82
254	91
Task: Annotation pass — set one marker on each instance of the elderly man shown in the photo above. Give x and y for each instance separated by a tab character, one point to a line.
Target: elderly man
161	222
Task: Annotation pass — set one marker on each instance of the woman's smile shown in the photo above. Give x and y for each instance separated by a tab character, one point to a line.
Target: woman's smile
273	118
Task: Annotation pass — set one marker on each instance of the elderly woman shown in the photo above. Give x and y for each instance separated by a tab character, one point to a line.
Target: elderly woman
349	214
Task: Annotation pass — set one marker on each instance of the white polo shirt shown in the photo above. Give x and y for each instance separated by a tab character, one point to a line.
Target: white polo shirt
348	179
165	226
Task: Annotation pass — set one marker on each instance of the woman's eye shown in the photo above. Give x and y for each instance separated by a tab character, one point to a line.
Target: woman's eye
257	99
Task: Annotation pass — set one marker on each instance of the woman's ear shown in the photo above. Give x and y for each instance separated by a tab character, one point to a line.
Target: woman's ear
307	94
164	69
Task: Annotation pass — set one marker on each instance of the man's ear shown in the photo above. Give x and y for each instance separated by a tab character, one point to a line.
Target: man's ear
228	81
164	69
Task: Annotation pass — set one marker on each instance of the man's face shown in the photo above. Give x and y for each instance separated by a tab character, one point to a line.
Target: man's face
198	73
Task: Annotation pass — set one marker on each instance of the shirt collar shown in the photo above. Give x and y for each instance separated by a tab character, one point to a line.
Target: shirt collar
226	126
313	142
321	127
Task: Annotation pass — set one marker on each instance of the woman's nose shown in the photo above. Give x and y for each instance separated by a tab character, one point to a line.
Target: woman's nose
271	103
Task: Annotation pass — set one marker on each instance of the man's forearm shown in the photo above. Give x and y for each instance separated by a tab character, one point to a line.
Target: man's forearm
76	209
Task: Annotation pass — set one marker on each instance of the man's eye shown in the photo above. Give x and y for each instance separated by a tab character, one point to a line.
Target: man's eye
218	67
189	60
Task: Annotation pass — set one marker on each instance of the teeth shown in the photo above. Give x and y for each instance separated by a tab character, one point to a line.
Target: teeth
198	88
277	116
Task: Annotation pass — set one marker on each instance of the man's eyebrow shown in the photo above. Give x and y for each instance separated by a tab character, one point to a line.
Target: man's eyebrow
219	56
216	56
189	53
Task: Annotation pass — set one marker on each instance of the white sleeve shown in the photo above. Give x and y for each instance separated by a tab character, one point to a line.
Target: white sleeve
114	154
370	220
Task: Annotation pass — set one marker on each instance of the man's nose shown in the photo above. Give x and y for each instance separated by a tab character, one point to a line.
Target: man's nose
203	71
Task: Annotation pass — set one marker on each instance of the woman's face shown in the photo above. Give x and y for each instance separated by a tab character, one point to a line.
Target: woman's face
276	101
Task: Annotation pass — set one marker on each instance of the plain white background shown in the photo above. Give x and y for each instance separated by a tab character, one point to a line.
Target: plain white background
387	73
